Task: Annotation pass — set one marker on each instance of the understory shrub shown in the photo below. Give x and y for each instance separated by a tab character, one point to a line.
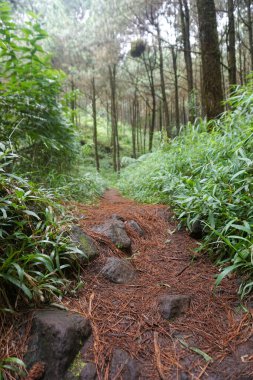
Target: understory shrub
33	114
207	177
82	187
35	250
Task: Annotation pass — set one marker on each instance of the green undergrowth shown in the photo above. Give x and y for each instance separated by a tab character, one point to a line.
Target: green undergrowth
80	184
36	254
207	176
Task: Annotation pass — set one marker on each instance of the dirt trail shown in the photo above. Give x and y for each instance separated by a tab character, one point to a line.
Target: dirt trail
127	316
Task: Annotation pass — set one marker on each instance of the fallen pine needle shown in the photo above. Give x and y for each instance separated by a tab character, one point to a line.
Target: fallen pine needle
158	356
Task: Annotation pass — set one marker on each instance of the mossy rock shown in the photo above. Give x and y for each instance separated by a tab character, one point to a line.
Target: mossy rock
84	242
76	368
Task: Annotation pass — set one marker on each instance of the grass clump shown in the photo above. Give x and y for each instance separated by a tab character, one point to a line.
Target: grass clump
207	177
35	251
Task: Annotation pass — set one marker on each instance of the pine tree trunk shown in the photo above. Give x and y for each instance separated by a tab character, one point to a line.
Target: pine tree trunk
72	102
163	89
94	115
134	127
185	26
150	68
231	44
114	122
249	24
174	59
210	55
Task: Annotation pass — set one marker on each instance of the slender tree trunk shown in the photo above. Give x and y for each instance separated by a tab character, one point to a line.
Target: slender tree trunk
134	126
147	116
202	91
223	77
244	66
210	54
138	127
231	44
114	121
107	116
174	59
72	101
153	116
184	113
249	24
240	63
160	116
185	26
94	115
163	88
150	73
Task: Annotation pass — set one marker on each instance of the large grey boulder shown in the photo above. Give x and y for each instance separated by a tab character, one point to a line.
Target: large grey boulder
118	270
56	338
84	242
123	366
173	306
114	229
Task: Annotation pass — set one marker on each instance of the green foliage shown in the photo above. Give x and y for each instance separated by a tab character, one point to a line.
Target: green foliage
31	115
85	187
35	252
14	366
207	176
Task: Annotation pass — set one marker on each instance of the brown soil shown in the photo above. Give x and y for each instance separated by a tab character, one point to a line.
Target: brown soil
126	316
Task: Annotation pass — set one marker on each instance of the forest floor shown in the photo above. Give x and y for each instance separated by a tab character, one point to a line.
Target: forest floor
213	340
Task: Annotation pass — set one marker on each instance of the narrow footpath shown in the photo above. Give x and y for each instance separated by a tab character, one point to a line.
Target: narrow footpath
208	334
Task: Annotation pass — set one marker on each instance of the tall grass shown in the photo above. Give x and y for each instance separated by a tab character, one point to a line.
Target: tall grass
207	177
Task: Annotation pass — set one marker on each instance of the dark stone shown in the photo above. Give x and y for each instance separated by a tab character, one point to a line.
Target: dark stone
184	376
135	226
117	217
89	372
56	338
172	306
197	229
118	270
123	366
84	242
114	229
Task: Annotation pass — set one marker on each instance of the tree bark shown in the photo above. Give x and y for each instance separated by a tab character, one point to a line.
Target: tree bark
114	119
134	124
231	44
210	55
94	115
185	26
250	30
174	59
163	88
150	64
73	101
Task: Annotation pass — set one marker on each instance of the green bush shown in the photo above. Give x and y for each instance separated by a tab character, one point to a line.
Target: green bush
35	251
207	176
32	116
82	187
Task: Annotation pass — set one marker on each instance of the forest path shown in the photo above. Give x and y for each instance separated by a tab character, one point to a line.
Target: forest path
127	316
